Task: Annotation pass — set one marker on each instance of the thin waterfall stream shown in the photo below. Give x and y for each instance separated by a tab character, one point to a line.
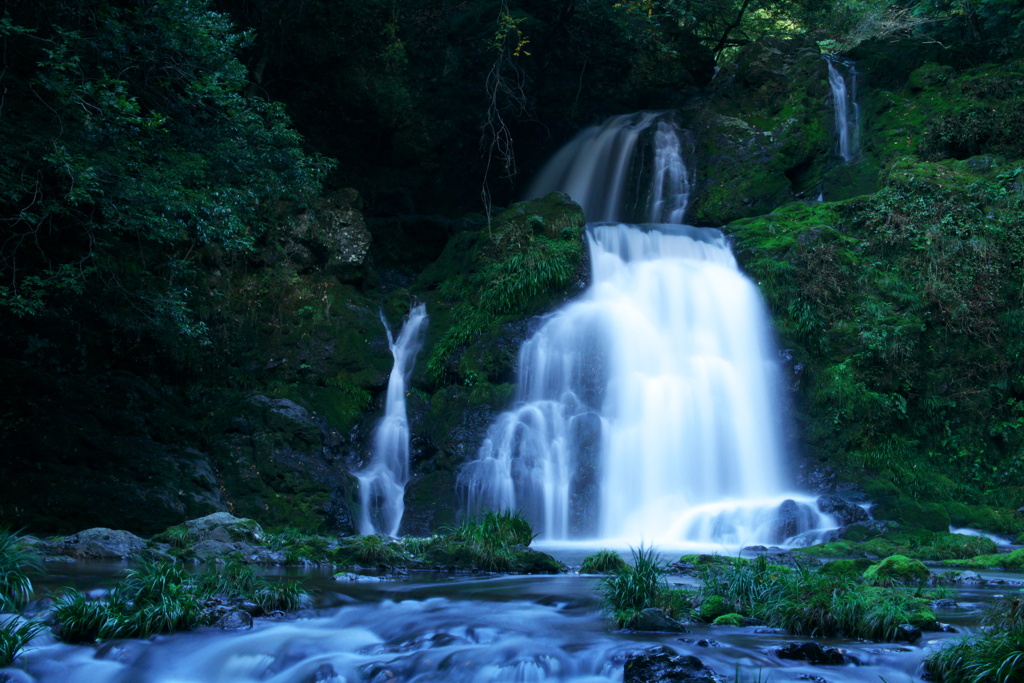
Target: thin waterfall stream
842	79
382	483
649	408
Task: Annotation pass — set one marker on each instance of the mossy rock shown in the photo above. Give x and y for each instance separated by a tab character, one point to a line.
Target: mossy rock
897	570
732	619
712	608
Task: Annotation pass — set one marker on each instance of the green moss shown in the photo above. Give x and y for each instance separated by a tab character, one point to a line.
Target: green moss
713	607
896	570
732	619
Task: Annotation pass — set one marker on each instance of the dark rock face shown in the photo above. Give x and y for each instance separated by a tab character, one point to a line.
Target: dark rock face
331	236
792	518
908	633
662	665
812	653
846	513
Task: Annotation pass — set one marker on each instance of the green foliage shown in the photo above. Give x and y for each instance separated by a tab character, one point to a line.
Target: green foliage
134	145
809	602
161	597
995	654
635	587
899	307
18	562
602	562
372	551
531	254
15	635
919	544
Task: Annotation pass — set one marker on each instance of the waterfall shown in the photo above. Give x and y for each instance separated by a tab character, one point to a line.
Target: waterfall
844	102
382	483
648	409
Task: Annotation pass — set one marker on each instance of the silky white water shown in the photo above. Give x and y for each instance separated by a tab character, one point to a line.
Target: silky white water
649	409
844	103
382	483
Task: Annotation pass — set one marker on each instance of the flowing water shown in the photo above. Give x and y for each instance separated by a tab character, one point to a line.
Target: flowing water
842	78
473	630
649	409
382	483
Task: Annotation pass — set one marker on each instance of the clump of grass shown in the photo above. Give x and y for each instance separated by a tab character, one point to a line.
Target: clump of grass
811	602
238	581
996	654
15	635
18	563
602	562
179	537
154	598
161	597
301	548
371	551
636	587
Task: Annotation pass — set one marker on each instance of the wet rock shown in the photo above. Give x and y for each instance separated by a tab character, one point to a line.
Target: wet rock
708	642
662	665
223	527
235	620
907	633
845	512
791	519
782	556
654	619
210	550
811	677
324	673
812	653
946	603
95	544
968	578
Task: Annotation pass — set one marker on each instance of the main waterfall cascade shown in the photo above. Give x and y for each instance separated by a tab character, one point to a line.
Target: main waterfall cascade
844	102
648	409
382	483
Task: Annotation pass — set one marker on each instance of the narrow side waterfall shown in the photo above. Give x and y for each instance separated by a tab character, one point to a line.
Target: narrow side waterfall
648	410
382	483
844	102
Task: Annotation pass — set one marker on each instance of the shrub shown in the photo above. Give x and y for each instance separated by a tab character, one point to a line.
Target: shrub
602	562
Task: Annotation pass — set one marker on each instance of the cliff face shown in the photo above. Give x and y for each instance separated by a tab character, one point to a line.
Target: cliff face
897	300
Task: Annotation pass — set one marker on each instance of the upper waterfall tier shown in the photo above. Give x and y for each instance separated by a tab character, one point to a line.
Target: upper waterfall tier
631	168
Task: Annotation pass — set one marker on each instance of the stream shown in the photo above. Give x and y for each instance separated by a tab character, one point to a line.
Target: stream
442	627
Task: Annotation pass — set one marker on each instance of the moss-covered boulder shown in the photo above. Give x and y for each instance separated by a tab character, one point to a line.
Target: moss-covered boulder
897	570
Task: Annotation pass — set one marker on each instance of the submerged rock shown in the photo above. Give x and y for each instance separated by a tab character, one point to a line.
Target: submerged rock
812	653
662	665
655	619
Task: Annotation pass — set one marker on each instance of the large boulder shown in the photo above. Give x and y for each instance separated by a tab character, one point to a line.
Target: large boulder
95	544
223	527
662	665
